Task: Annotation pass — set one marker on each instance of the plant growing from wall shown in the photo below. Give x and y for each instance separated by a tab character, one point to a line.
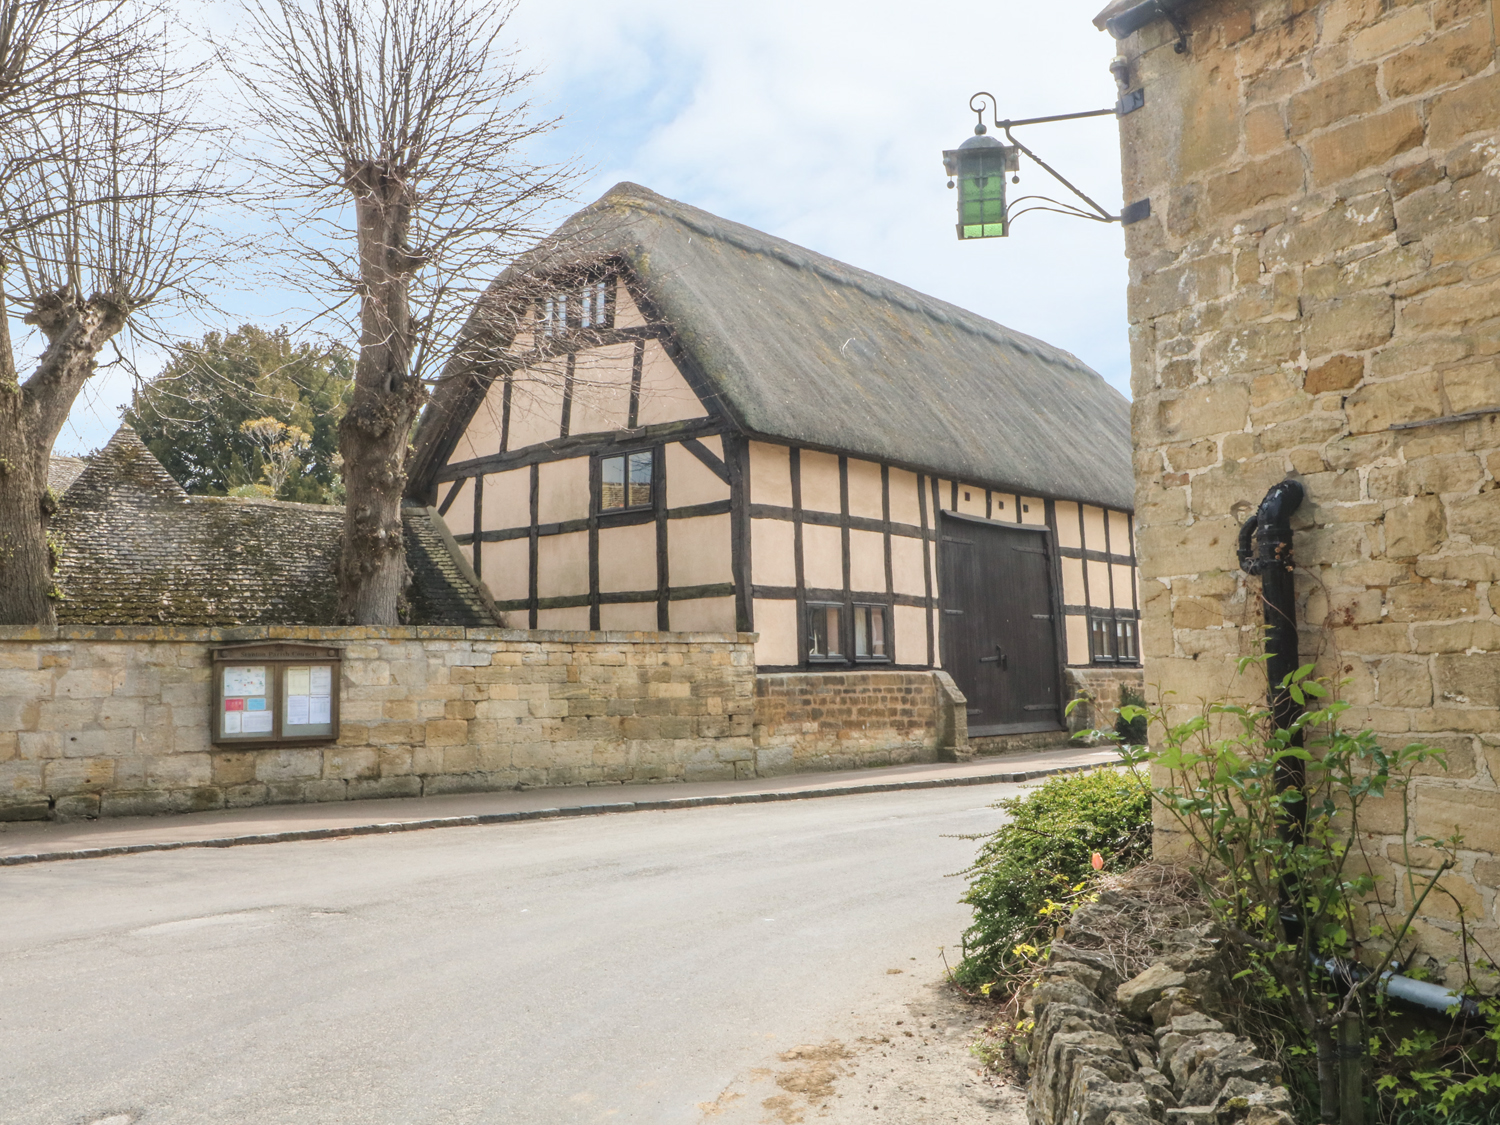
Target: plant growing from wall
1282	867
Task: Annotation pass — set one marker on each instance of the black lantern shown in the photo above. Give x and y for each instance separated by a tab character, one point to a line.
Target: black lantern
978	167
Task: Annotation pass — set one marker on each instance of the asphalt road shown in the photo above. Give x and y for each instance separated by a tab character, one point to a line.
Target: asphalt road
624	968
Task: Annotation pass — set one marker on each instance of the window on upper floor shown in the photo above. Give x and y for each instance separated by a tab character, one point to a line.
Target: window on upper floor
589	304
625	481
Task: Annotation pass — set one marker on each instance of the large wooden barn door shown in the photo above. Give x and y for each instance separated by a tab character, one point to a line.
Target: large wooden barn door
998	636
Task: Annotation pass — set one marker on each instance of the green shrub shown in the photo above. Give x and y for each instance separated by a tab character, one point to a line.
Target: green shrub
1043	856
1131	732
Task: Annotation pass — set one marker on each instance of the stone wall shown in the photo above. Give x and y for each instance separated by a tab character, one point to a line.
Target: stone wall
829	720
1100	690
115	721
1317	294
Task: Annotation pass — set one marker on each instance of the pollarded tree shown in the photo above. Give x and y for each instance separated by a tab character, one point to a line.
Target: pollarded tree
102	186
397	132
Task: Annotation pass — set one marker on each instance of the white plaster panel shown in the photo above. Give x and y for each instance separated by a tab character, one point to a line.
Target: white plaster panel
703	615
904	505
945	496
562	564
866	493
562	491
1119	534
820	482
507	500
1072	580
481	437
972	500
776	622
909	623
770	474
822	557
627	312
1067	525
1078	640
536	406
507	569
689	480
906	565
698	551
1124	578
1005	507
573	618
1099	585
773	560
460	514
1033	510
601	389
665	395
867	561
627	558
1093	527
631	616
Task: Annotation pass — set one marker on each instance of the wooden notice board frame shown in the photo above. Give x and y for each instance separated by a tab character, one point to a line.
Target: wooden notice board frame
265	666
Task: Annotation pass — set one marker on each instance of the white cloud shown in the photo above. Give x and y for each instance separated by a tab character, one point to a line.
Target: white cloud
823	121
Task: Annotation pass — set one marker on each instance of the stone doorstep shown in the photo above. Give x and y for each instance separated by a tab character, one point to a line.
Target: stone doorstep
667	804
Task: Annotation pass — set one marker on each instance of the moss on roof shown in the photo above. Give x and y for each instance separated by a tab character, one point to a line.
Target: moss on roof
138	550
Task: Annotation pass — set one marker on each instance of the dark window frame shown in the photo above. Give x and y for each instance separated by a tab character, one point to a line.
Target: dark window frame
886	616
840	658
562	310
597	500
1109	622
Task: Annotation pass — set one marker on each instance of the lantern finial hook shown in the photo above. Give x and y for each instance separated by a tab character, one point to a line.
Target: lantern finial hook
976	103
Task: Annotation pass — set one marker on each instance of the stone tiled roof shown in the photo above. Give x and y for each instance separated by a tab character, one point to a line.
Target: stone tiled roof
63	471
138	550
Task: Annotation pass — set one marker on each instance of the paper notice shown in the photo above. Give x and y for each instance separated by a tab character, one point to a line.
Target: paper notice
234	704
297	680
296	710
231	722
245	680
255	704
322	680
256	722
319	711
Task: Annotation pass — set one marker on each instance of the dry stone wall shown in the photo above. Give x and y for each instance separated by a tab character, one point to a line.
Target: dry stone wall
115	721
1106	1052
1317	294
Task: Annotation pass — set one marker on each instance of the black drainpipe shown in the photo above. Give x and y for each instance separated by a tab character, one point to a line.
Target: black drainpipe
1270	557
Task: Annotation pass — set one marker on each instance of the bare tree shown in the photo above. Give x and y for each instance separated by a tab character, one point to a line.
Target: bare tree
103	187
397	133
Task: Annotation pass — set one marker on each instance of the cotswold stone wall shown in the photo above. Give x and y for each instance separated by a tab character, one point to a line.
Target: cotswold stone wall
829	720
1317	294
115	721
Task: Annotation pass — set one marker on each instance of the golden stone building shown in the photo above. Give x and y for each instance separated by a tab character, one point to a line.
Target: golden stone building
1316	294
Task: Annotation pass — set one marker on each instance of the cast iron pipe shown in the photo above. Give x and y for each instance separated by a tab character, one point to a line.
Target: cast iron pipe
1133	19
1265	549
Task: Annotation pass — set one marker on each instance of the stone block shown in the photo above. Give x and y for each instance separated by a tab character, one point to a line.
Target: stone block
1256	183
1403	682
1364	145
1473	107
1375	407
1350	94
1454	305
367	788
134	802
288	764
1468	678
179	771
1440	61
1136	995
1474	813
1476	516
350	762
1353	323
1338	373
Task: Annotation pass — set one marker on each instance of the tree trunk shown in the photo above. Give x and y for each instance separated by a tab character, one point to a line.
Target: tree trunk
31	415
373	434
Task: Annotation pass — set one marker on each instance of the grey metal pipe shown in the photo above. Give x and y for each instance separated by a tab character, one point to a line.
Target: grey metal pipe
1422	993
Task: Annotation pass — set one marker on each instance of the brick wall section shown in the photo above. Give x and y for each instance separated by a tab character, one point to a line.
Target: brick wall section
1322	263
114	721
836	720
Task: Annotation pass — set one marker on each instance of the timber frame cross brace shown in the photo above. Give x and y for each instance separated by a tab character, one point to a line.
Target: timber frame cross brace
1132	213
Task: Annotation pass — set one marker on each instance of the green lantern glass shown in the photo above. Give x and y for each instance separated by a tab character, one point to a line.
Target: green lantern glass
979	166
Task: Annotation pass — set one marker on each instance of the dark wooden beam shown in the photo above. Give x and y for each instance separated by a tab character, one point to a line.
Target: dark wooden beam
581	445
706	455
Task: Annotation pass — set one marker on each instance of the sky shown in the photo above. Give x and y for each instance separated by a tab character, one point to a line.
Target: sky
823	122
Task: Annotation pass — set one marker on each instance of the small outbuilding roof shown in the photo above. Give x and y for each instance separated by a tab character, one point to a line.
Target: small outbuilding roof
793	345
138	550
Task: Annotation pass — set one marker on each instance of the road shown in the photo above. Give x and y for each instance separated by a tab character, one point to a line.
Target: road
720	963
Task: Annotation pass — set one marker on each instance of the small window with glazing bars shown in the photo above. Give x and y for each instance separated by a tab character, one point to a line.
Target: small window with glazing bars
589	304
625	481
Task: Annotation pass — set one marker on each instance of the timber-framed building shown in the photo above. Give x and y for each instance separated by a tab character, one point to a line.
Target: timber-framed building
664	420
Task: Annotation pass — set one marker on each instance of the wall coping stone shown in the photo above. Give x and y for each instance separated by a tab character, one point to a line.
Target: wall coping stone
189	634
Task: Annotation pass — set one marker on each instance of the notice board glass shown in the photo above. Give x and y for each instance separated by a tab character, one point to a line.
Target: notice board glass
275	694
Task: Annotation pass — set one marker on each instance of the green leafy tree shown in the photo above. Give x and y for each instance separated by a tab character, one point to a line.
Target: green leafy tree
203	415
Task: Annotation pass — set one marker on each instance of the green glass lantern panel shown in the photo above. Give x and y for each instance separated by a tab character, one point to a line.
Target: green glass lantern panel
981	192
